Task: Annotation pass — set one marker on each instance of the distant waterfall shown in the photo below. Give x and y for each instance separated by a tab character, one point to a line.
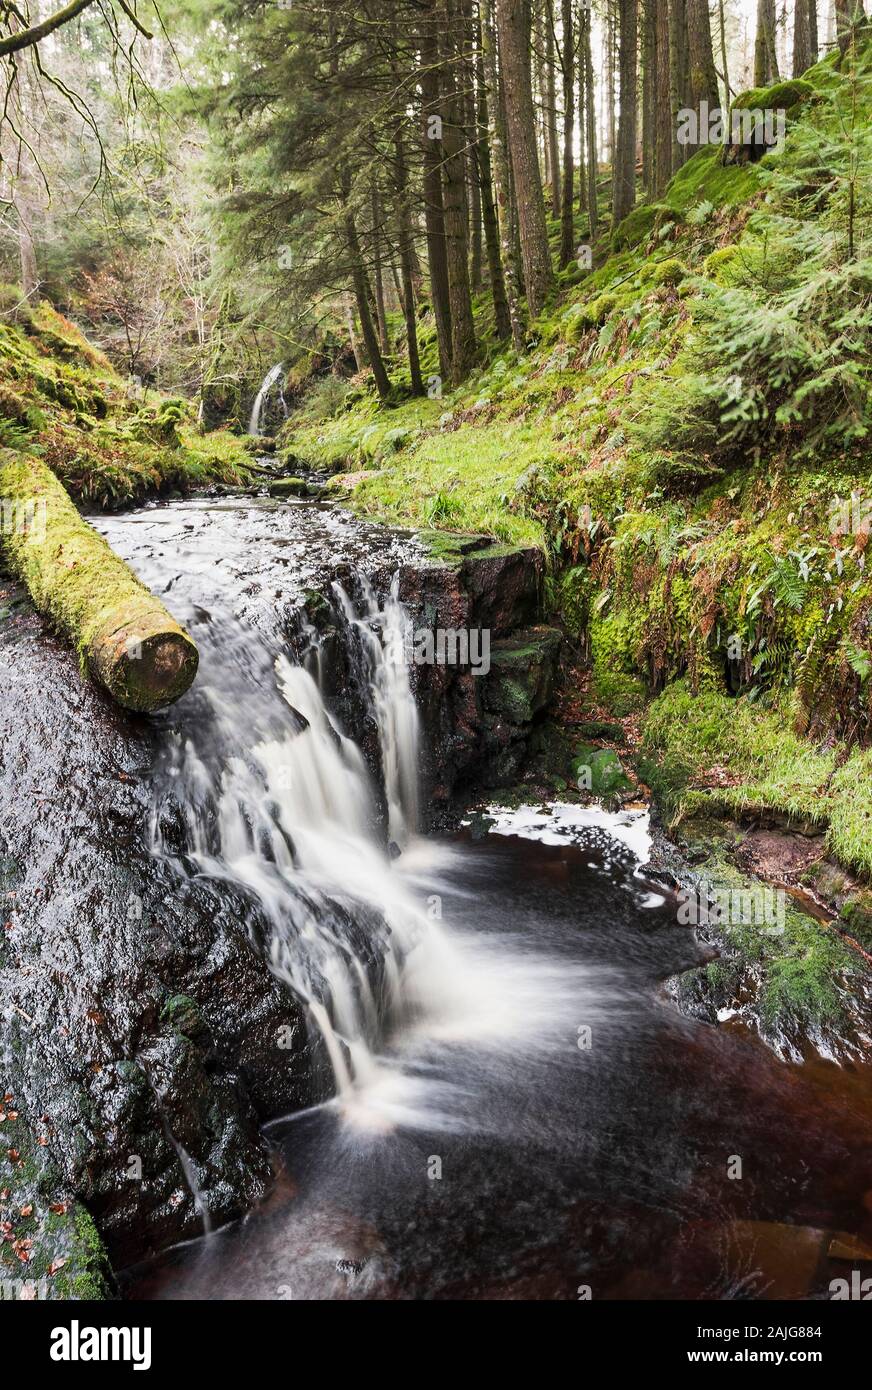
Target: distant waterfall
267	384
278	801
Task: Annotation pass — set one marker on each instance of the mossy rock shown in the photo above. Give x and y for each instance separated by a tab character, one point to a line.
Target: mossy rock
161	426
781	96
636	226
718	262
182	1014
600	729
67	1259
591	315
669	272
520	683
289	487
571	274
13	405
599	771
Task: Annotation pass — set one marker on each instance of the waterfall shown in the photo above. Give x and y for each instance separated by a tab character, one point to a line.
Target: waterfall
276	799
267	384
381	631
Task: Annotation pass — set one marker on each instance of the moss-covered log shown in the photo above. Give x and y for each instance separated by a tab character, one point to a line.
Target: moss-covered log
123	635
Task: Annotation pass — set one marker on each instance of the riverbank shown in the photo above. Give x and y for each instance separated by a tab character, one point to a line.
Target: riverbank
684	441
111	443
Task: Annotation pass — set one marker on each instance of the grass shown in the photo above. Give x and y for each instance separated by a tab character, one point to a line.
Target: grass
799	969
707	752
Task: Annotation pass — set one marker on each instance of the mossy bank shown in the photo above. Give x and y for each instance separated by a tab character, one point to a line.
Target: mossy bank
686	442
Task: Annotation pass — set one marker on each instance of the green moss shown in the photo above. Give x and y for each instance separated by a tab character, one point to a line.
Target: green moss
781	96
850	820
669	272
857	917
599	771
107	451
289	487
768	767
121	632
67	1259
804	968
704	177
617	682
636	226
596	311
719	261
182	1014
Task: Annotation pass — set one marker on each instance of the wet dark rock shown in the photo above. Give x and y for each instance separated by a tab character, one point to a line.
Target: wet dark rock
140	1018
599	771
482	722
520	684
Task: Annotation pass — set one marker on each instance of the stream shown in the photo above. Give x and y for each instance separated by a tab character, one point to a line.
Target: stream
503	1102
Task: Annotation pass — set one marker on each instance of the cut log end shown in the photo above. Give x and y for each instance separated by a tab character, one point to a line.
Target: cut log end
145	670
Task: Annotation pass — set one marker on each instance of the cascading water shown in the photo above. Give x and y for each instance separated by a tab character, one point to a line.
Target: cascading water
381	633
260	399
289	815
490	1002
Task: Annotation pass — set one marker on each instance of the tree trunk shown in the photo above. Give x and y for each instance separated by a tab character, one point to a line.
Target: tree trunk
802	59
765	60
847	14
722	25
514	40
703	77
19	97
127	639
463	345
360	280
434	217
352	332
624	168
551	108
381	317
404	230
677	75
497	141
474	178
610	42
649	91
502	317
813	40
590	122
662	107
567	223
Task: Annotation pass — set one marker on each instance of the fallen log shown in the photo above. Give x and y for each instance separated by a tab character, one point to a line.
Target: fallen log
123	635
